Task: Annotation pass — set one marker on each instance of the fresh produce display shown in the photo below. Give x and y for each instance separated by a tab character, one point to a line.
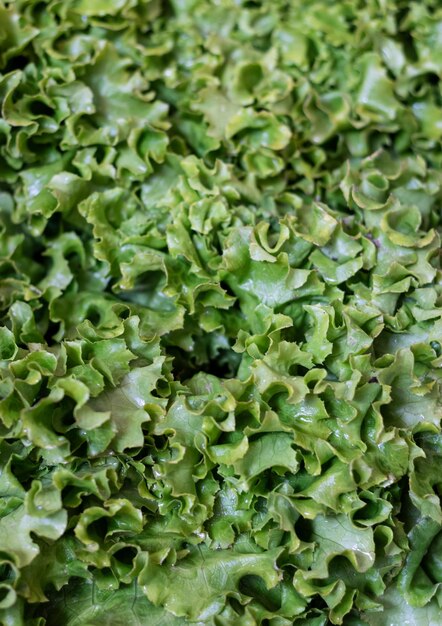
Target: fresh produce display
221	312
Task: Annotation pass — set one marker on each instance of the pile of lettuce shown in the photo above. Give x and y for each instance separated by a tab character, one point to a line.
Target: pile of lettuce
221	312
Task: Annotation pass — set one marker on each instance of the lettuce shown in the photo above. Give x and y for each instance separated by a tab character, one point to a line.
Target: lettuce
221	313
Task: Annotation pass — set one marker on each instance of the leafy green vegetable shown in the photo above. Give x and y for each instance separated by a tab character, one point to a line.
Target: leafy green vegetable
221	313
90	606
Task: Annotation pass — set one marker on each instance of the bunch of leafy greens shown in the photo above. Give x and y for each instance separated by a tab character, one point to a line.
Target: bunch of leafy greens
221	309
